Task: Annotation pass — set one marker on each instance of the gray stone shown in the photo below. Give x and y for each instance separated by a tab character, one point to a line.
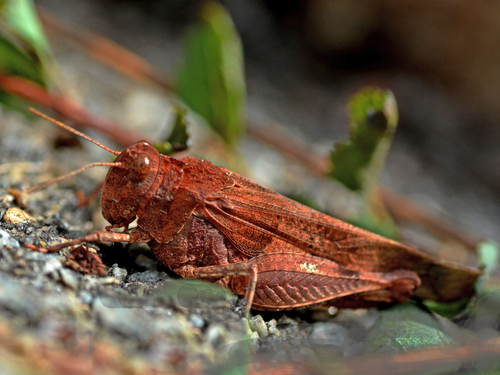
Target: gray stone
69	278
7	241
119	273
258	325
271	328
146	276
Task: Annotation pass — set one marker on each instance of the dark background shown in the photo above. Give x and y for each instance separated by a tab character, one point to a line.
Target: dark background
304	59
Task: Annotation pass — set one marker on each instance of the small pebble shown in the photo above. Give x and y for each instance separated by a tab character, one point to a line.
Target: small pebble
90	282
138	289
119	273
258	325
51	266
85	297
6	199
196	320
215	335
69	278
20	272
7	241
15	215
109	280
271	327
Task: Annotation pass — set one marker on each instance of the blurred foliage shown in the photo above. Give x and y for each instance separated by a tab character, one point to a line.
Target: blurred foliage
15	62
448	309
179	137
359	161
212	81
488	253
24	49
406	327
487	303
22	20
233	359
186	292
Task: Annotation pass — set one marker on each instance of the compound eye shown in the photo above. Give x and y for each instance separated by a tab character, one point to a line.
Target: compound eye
139	169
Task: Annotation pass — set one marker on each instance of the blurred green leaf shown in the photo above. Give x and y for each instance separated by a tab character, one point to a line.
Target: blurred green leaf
359	161
15	62
233	359
186	292
22	19
488	254
487	302
24	50
447	309
404	328
179	137
211	81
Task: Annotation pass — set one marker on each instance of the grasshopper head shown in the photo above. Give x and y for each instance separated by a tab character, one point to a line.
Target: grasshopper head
128	183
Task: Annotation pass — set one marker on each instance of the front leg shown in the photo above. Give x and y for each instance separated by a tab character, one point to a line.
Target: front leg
94	237
135	236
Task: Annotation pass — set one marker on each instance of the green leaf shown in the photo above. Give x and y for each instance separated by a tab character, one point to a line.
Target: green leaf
488	253
179	137
24	49
15	62
21	17
447	309
186	292
16	104
405	328
211	81
358	161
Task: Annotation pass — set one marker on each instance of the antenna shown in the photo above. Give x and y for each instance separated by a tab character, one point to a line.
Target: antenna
70	129
43	185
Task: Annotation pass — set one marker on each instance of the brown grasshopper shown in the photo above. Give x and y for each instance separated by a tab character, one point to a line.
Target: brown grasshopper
204	221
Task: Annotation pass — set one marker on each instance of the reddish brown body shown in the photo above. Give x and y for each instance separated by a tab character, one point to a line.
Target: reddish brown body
204	221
